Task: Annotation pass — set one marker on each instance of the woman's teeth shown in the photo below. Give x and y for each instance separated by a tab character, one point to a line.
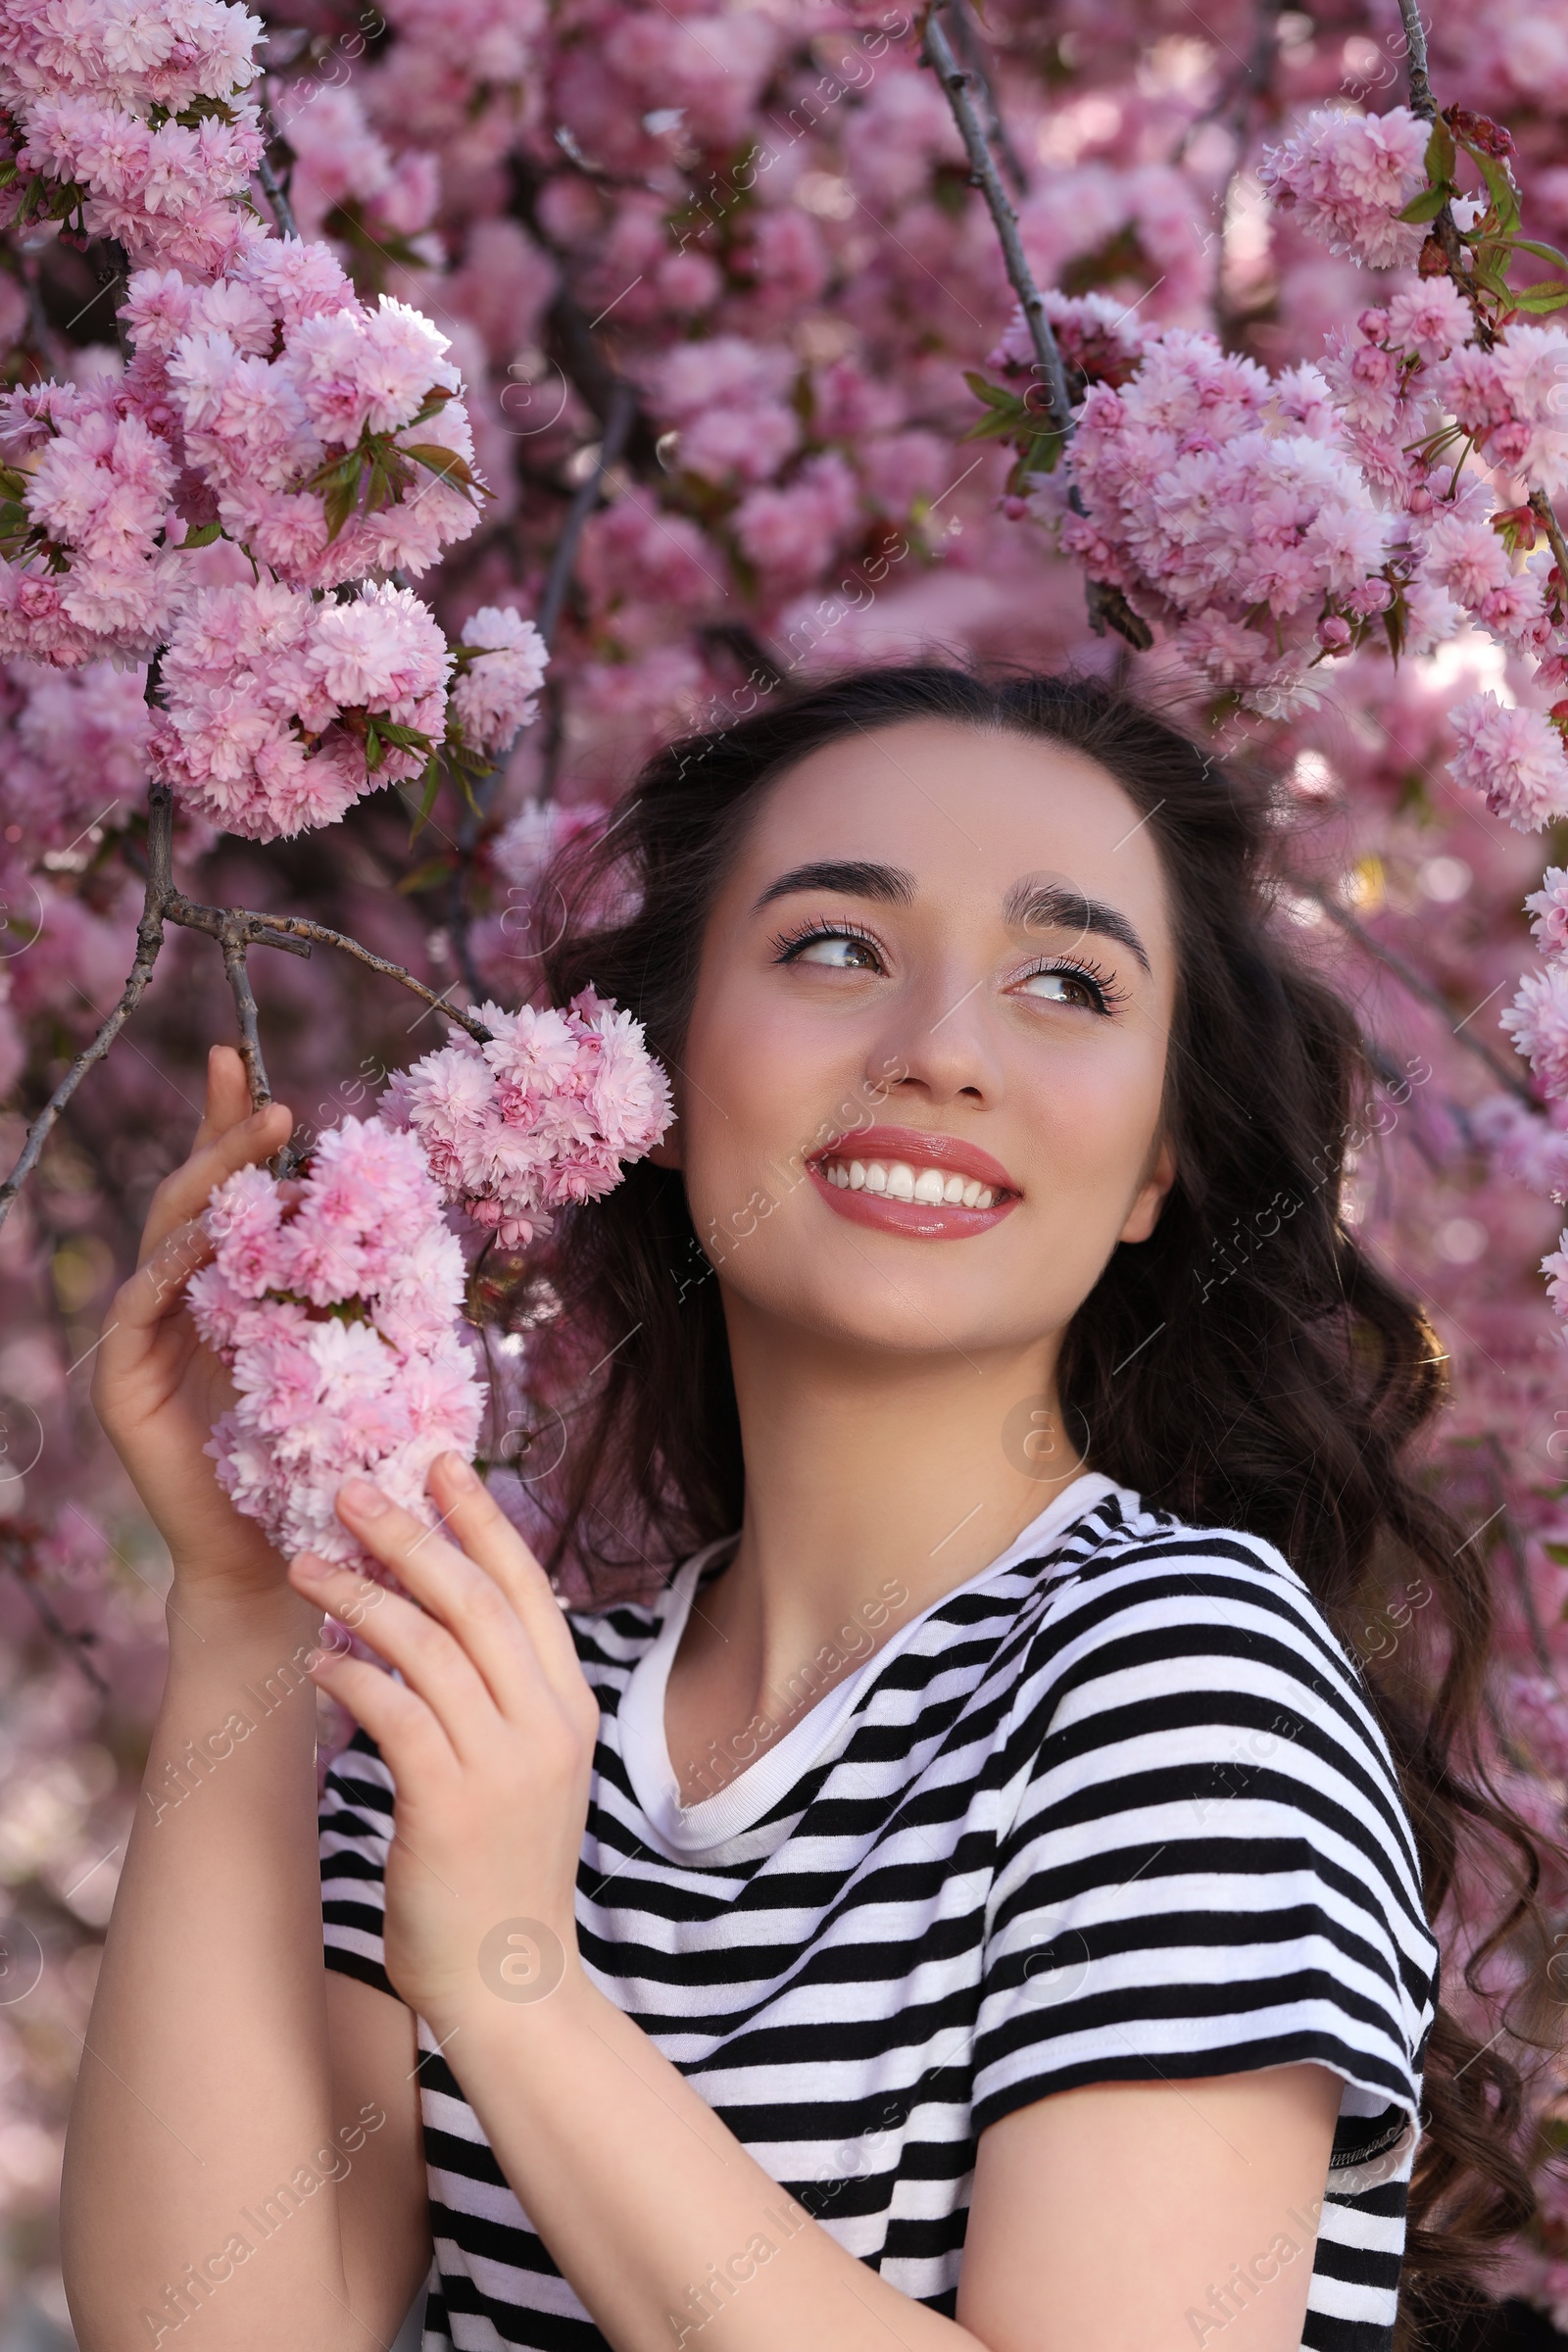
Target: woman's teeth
932	1187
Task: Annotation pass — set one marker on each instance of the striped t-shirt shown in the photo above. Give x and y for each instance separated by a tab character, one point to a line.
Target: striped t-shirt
1116	1809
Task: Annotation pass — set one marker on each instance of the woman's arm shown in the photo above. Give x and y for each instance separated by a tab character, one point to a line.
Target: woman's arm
244	2140
1104	2220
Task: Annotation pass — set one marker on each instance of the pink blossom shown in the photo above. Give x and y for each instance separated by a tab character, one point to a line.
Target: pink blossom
1547	908
1514	758
494	692
1430	319
1538	1022
544	1115
1348	177
370	1377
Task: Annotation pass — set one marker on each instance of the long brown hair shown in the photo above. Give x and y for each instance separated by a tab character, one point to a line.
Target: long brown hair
1286	1374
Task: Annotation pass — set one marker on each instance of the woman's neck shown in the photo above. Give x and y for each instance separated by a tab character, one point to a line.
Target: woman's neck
875	1484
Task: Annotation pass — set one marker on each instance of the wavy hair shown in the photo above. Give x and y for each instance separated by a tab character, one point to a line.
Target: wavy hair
1286	1375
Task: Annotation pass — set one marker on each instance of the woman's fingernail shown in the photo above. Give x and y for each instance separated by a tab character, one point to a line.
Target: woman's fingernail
364	1499
458	1472
307	1565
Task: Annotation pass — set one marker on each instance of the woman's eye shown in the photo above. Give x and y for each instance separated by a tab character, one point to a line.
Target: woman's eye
838	952
1063	988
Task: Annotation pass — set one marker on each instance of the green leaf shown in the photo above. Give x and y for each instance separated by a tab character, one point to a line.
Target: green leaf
1441	154
435	400
339	503
1505	195
374	749
202	535
445	461
1428	205
407	739
993	395
432	785
434	870
1546	294
1557	1553
1543	253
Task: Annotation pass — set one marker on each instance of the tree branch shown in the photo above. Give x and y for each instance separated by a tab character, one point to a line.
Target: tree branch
619	420
1543	509
282	930
149	939
968	46
250	1040
1422	102
1409	978
1107	607
986	177
235	929
272	186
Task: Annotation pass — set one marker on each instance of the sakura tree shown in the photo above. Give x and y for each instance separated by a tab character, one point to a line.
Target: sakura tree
413	412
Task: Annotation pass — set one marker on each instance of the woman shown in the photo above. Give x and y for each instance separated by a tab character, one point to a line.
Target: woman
973	1901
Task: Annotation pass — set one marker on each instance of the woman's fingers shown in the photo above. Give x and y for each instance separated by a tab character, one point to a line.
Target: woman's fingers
407	1734
157	1285
228	1096
456	1590
474	1519
431	1655
230	1135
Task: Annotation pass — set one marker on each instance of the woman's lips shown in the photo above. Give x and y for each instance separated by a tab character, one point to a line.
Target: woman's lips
889	1177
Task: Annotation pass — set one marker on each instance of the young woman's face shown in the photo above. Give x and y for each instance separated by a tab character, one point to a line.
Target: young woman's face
920	1099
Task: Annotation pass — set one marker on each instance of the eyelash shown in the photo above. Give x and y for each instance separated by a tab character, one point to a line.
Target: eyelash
788	944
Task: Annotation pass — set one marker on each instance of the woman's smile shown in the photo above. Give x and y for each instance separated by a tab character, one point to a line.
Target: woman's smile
933	1188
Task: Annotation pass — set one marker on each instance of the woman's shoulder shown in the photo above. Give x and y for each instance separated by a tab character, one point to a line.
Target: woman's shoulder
1202	1649
1130	1565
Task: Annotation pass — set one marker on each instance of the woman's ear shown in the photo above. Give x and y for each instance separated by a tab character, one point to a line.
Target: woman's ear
1158	1177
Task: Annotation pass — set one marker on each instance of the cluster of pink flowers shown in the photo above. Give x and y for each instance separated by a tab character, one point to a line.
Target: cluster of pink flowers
1226	503
527	842
205	428
727	401
335	1302
263	432
100	579
83	85
345	177
1348	176
543	1115
501	668
272	700
79	755
1513	758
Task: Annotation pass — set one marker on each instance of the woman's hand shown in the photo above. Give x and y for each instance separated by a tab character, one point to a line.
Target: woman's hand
489	1738
156	1389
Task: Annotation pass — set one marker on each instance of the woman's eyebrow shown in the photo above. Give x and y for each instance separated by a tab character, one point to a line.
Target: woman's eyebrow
852	877
1036	906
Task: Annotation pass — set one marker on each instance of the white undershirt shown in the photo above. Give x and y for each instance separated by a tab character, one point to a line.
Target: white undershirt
743	1800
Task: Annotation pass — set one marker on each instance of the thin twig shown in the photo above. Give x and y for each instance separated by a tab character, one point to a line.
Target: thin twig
1422	102
235	929
1445	228
617	424
986	177
274	930
968	44
250	1037
149	939
272	187
1107	607
1543	509
1411	979
75	1645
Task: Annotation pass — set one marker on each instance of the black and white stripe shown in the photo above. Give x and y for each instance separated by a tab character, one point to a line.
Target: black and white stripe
1115	1810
